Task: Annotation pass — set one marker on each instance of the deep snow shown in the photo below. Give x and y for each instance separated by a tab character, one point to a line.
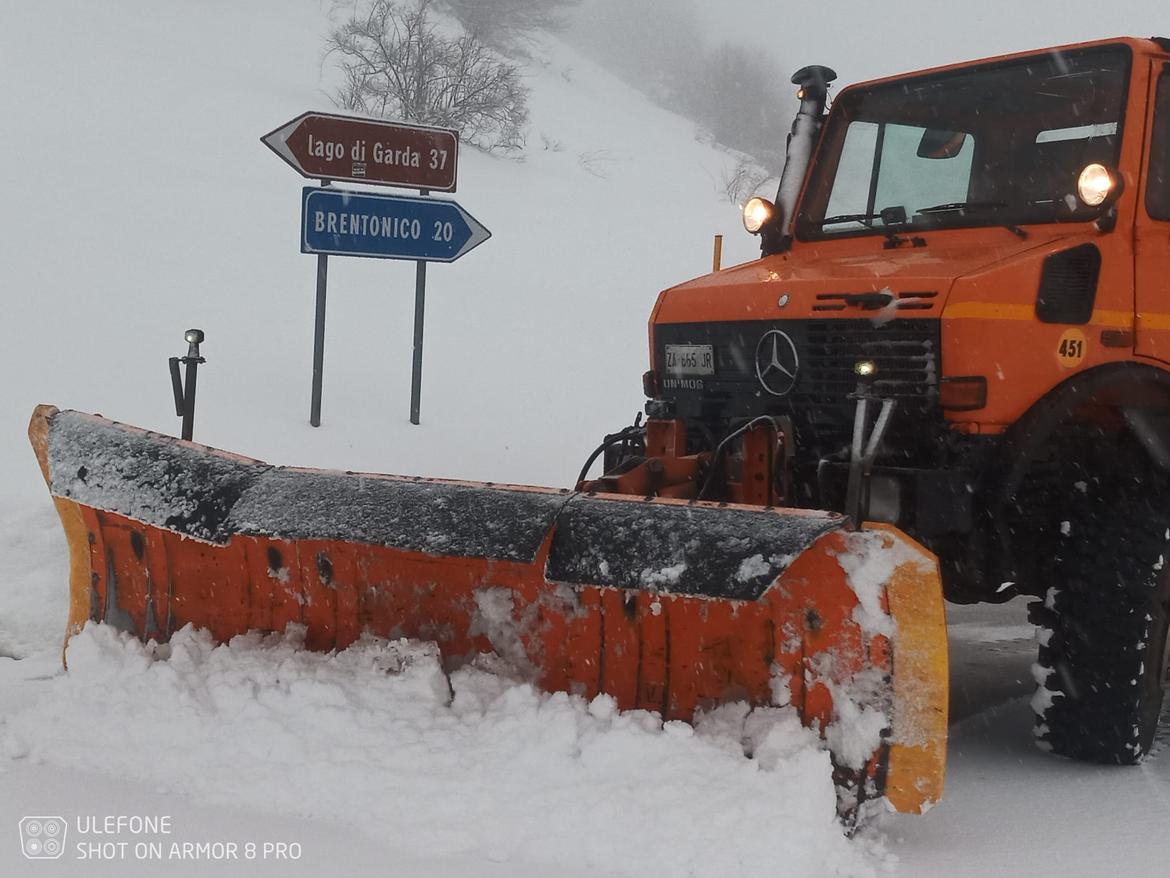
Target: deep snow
140	202
372	737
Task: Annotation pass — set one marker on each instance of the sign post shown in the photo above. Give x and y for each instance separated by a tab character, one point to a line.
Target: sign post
333	147
319	341
420	305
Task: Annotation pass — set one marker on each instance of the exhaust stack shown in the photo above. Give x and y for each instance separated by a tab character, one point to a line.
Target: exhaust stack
813	92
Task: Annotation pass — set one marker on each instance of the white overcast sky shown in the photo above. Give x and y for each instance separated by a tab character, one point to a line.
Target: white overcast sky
864	39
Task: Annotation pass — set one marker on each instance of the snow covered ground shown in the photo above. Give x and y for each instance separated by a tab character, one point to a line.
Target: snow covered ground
372	738
139	203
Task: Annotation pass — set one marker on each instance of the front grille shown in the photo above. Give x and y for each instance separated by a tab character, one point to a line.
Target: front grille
906	352
910	301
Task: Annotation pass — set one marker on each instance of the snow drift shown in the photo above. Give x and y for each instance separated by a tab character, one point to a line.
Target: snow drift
377	736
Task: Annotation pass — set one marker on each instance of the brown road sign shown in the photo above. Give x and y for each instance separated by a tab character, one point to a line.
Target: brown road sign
332	147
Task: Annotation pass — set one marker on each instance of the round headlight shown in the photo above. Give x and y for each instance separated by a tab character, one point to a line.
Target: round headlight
865	369
757	212
193	336
1095	184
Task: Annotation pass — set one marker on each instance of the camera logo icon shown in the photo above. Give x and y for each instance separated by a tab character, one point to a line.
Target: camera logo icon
42	838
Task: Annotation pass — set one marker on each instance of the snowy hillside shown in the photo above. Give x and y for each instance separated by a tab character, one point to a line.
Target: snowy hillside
154	207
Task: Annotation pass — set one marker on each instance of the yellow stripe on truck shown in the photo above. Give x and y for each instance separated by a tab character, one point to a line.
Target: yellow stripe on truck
1002	311
1153	321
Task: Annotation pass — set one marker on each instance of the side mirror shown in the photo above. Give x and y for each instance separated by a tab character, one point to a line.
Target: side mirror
939	144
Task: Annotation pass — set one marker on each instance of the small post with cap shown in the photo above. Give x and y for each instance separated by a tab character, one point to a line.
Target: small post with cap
184	386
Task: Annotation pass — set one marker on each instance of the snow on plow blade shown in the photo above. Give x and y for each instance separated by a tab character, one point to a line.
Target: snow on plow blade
669	606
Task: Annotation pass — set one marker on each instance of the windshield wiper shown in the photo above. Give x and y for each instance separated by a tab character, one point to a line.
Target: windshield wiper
962	205
849	218
1020	233
888	228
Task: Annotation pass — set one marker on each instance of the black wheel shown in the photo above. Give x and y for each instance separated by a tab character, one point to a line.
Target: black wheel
1103	658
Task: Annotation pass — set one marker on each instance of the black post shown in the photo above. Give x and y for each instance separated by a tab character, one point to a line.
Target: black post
420	302
185	388
319	341
189	397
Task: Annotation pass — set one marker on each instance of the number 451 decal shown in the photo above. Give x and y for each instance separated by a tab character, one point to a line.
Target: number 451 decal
1071	349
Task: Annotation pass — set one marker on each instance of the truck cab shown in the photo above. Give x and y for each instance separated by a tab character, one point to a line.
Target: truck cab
991	241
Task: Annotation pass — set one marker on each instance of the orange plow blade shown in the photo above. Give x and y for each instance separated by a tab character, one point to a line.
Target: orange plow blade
666	605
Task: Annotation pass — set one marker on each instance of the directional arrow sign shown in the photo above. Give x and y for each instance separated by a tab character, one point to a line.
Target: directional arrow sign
332	147
344	223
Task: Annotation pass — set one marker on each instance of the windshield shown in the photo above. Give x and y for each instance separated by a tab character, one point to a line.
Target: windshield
1001	143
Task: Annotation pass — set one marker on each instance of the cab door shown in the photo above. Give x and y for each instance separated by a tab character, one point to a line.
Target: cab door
1152	230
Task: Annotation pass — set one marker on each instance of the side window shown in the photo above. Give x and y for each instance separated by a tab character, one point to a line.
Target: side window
1158	186
851	186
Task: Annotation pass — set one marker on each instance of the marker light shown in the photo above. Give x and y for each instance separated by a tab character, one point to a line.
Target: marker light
865	369
757	212
963	394
1095	184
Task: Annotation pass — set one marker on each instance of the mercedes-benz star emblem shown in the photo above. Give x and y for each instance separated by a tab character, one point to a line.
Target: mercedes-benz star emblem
777	363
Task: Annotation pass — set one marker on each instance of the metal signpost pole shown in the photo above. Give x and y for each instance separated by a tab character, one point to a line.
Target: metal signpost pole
420	303
319	341
319	336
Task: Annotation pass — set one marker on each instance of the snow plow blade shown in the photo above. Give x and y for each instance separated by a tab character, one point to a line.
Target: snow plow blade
669	606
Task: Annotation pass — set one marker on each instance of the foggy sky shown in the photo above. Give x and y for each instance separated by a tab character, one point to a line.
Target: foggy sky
865	39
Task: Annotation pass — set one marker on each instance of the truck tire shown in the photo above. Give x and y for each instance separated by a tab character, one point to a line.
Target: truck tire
1103	625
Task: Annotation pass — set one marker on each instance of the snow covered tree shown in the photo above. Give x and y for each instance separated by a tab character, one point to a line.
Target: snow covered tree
397	62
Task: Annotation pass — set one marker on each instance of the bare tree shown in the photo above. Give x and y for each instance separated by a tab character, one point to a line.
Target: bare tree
747	178
397	64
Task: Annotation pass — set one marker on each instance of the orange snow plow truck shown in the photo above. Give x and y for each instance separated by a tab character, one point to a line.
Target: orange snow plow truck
947	375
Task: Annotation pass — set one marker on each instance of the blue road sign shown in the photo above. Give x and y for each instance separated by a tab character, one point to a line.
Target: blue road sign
338	222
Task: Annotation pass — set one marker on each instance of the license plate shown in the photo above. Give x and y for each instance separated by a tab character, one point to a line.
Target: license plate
690	359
